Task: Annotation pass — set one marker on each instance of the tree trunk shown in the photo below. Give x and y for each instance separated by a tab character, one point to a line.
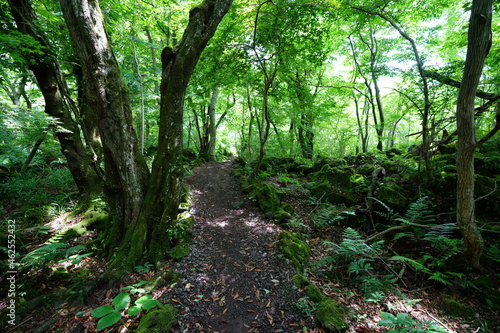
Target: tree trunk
161	203
479	39
46	72
125	168
212	123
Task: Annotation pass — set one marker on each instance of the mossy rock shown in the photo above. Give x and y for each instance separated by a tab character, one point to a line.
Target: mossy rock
331	316
159	320
282	216
295	249
320	190
453	308
392	195
178	252
314	293
488	293
300	281
366	169
94	219
154	283
267	197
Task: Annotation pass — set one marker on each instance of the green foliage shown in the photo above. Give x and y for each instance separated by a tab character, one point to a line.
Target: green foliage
356	257
404	323
52	252
111	314
305	306
144	268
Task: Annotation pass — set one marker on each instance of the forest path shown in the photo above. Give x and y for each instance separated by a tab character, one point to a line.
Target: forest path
235	279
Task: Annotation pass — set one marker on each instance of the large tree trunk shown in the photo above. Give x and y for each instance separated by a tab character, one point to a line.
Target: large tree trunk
125	168
46	72
479	40
162	199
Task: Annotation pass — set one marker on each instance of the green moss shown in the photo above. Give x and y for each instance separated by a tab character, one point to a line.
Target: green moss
453	308
330	316
267	197
179	251
159	320
300	281
314	294
281	215
392	195
92	218
488	293
295	249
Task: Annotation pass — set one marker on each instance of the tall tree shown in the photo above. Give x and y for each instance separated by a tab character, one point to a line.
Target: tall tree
479	43
143	204
51	83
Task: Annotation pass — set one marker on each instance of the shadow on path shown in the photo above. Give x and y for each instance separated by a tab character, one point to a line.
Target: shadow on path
235	279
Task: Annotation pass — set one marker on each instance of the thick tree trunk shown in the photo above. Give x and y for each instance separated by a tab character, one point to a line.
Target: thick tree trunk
46	72
125	168
160	206
478	46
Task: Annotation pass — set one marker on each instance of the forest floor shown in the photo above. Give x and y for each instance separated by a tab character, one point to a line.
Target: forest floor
235	280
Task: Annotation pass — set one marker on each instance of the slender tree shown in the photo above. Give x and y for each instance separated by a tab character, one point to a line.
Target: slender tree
479	43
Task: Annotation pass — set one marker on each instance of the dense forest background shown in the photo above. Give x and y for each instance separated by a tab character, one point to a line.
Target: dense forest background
382	117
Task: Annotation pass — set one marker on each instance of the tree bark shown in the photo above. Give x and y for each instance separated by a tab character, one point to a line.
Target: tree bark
46	72
212	123
478	45
125	168
161	203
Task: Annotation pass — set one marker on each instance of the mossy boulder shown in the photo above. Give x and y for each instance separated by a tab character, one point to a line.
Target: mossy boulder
300	281
489	294
314	293
179	251
392	195
159	320
331	316
92	218
335	176
295	249
453	308
266	196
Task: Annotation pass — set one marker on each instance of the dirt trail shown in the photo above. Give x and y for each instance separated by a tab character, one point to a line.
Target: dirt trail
235	280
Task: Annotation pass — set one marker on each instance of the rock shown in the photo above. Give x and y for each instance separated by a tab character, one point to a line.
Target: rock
453	308
330	316
159	320
314	294
300	281
295	249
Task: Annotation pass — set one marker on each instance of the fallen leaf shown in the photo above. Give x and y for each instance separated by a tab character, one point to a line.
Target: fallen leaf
188	285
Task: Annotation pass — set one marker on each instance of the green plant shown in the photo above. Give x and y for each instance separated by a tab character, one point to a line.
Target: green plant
144	268
111	314
357	257
305	306
404	323
53	252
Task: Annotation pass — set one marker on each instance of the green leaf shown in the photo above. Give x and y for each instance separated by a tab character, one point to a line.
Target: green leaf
121	301
109	320
147	302
133	310
140	283
102	311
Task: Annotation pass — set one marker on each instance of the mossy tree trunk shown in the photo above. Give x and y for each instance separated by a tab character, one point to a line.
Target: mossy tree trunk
143	204
49	80
479	39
